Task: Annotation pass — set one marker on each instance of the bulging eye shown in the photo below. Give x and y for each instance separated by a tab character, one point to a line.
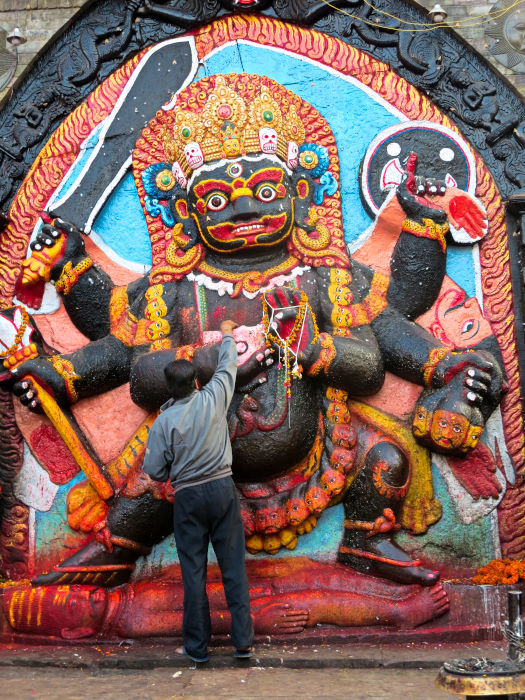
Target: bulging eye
266	193
216	202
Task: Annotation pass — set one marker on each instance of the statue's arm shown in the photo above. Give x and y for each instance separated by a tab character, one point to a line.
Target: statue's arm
410	352
94	369
87	292
347	360
147	384
358	365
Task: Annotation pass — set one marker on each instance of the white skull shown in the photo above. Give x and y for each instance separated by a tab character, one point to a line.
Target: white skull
292	157
178	174
268	140
194	155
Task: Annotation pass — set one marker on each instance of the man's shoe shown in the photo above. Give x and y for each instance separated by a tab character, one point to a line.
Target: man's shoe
243	653
182	651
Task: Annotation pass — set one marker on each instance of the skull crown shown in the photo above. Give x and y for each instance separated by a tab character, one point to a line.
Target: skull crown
230	126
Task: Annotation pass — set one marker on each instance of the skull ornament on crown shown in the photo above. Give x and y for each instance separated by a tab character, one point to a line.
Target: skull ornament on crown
194	155
268	140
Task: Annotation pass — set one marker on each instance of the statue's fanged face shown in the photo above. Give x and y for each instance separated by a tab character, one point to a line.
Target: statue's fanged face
243	204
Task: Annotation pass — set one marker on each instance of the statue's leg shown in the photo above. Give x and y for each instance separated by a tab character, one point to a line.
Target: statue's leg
132	527
372	508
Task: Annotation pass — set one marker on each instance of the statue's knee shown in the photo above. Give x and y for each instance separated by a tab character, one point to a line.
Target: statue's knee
390	469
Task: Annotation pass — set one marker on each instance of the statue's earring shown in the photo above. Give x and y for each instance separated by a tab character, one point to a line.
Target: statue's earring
303	188
303	201
181	207
314	159
181	215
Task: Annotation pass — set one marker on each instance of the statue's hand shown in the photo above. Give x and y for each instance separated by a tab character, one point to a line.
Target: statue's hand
85	508
288	305
54	246
39	370
255	365
70	238
413	195
481	376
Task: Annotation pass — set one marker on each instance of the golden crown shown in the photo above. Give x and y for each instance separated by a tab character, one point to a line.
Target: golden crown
229	126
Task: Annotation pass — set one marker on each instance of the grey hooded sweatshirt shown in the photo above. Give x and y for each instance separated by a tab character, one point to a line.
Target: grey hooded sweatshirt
189	442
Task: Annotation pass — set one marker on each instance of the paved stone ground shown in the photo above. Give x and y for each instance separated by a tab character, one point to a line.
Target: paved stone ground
249	682
127	672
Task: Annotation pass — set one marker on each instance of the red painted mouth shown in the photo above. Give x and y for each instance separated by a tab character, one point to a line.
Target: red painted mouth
249	231
445	441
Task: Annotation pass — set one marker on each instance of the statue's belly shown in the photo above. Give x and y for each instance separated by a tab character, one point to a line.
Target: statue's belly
271	438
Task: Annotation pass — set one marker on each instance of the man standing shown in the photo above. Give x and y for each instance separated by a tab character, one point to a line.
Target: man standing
190	444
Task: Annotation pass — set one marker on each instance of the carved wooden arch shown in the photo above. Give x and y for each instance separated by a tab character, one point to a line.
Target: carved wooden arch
106	33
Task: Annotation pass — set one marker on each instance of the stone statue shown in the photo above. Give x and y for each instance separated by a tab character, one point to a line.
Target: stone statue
239	182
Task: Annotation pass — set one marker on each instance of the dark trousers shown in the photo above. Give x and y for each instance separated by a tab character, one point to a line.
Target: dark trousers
202	513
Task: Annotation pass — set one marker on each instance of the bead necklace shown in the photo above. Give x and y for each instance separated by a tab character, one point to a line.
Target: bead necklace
287	355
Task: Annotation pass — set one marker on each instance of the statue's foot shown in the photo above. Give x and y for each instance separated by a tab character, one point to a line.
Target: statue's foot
92	565
424	605
279	618
379	556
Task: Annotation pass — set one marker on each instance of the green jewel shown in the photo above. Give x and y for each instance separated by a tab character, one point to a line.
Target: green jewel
267	115
186	132
165	180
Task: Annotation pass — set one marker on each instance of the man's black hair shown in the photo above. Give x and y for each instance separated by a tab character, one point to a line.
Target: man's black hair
180	378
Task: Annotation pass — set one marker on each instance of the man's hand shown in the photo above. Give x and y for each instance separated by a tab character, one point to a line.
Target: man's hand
227	326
